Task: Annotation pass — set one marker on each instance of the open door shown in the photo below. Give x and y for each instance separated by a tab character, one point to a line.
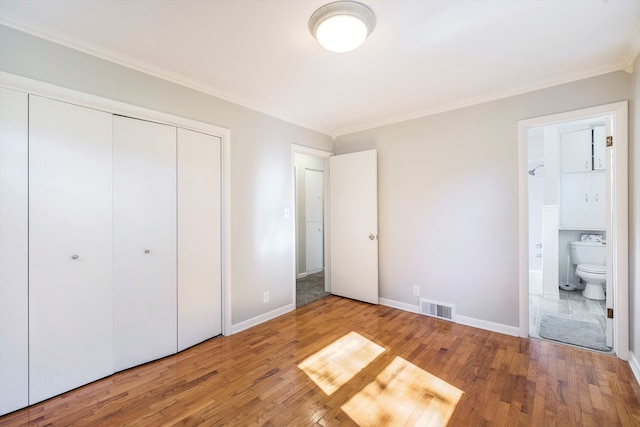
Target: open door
611	203
353	218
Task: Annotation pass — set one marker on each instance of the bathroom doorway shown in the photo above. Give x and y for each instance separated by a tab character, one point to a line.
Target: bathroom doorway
567	204
310	178
566	198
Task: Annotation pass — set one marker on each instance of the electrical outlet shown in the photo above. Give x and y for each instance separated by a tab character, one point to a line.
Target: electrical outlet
416	290
265	297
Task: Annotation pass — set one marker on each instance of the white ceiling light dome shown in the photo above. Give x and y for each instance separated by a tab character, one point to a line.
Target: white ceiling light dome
342	26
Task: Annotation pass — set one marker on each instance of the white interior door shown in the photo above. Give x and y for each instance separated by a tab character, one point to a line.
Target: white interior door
144	197
70	247
313	220
199	238
610	218
353	216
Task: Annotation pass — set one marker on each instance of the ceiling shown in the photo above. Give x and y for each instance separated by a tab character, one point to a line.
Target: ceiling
424	56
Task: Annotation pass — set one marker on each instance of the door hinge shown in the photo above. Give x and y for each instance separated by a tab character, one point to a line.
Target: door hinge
609	313
609	141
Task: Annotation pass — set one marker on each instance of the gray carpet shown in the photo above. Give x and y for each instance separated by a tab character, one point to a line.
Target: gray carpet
309	289
576	332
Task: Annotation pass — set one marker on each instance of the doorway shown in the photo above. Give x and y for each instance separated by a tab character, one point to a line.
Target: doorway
567	200
545	262
310	168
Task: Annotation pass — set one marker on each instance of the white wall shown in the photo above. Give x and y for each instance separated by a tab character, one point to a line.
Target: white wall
448	197
535	158
261	164
634	215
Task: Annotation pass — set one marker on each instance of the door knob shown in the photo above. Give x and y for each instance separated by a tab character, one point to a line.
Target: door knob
74	257
147	251
372	236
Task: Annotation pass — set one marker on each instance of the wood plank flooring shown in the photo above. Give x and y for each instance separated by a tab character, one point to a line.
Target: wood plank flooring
388	367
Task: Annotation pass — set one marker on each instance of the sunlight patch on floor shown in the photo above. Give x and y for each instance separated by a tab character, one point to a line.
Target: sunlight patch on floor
403	394
337	363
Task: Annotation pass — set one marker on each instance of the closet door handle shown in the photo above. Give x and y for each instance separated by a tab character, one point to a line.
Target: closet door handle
147	251
586	165
600	163
74	256
586	197
597	197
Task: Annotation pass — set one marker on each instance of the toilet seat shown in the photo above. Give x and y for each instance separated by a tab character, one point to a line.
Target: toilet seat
592	268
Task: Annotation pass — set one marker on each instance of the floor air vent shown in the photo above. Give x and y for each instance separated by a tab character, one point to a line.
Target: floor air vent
433	309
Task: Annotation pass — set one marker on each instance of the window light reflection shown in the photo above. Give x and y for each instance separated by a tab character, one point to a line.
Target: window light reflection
403	394
337	363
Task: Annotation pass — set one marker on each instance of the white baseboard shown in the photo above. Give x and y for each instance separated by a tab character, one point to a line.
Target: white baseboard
254	321
399	305
488	326
463	320
635	366
301	275
551	295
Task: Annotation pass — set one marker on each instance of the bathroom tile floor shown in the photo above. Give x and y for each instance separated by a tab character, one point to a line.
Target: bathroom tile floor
571	305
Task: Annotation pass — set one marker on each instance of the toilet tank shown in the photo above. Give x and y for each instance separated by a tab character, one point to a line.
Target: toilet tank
588	253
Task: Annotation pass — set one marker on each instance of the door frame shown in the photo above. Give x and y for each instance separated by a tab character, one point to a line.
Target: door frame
617	217
301	149
83	99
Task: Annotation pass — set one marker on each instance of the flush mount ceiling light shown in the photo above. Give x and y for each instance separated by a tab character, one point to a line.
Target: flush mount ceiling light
342	26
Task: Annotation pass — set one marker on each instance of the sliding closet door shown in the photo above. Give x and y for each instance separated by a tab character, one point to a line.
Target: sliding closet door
144	192
14	253
70	247
199	243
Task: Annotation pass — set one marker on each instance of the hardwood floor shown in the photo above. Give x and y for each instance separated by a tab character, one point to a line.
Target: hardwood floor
376	365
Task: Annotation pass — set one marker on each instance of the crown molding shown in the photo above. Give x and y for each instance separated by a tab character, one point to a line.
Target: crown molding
69	41
470	102
633	53
64	39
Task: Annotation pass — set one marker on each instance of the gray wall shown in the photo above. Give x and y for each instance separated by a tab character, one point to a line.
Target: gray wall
448	197
634	213
261	166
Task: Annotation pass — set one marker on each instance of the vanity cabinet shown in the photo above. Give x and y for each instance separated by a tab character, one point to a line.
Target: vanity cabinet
583	201
583	150
583	179
14	255
576	151
599	148
70	247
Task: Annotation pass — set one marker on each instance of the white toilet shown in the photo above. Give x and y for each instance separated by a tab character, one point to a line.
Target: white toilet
590	259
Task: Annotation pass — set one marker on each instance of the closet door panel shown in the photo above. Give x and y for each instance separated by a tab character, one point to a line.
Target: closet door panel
145	241
70	247
14	332
199	241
